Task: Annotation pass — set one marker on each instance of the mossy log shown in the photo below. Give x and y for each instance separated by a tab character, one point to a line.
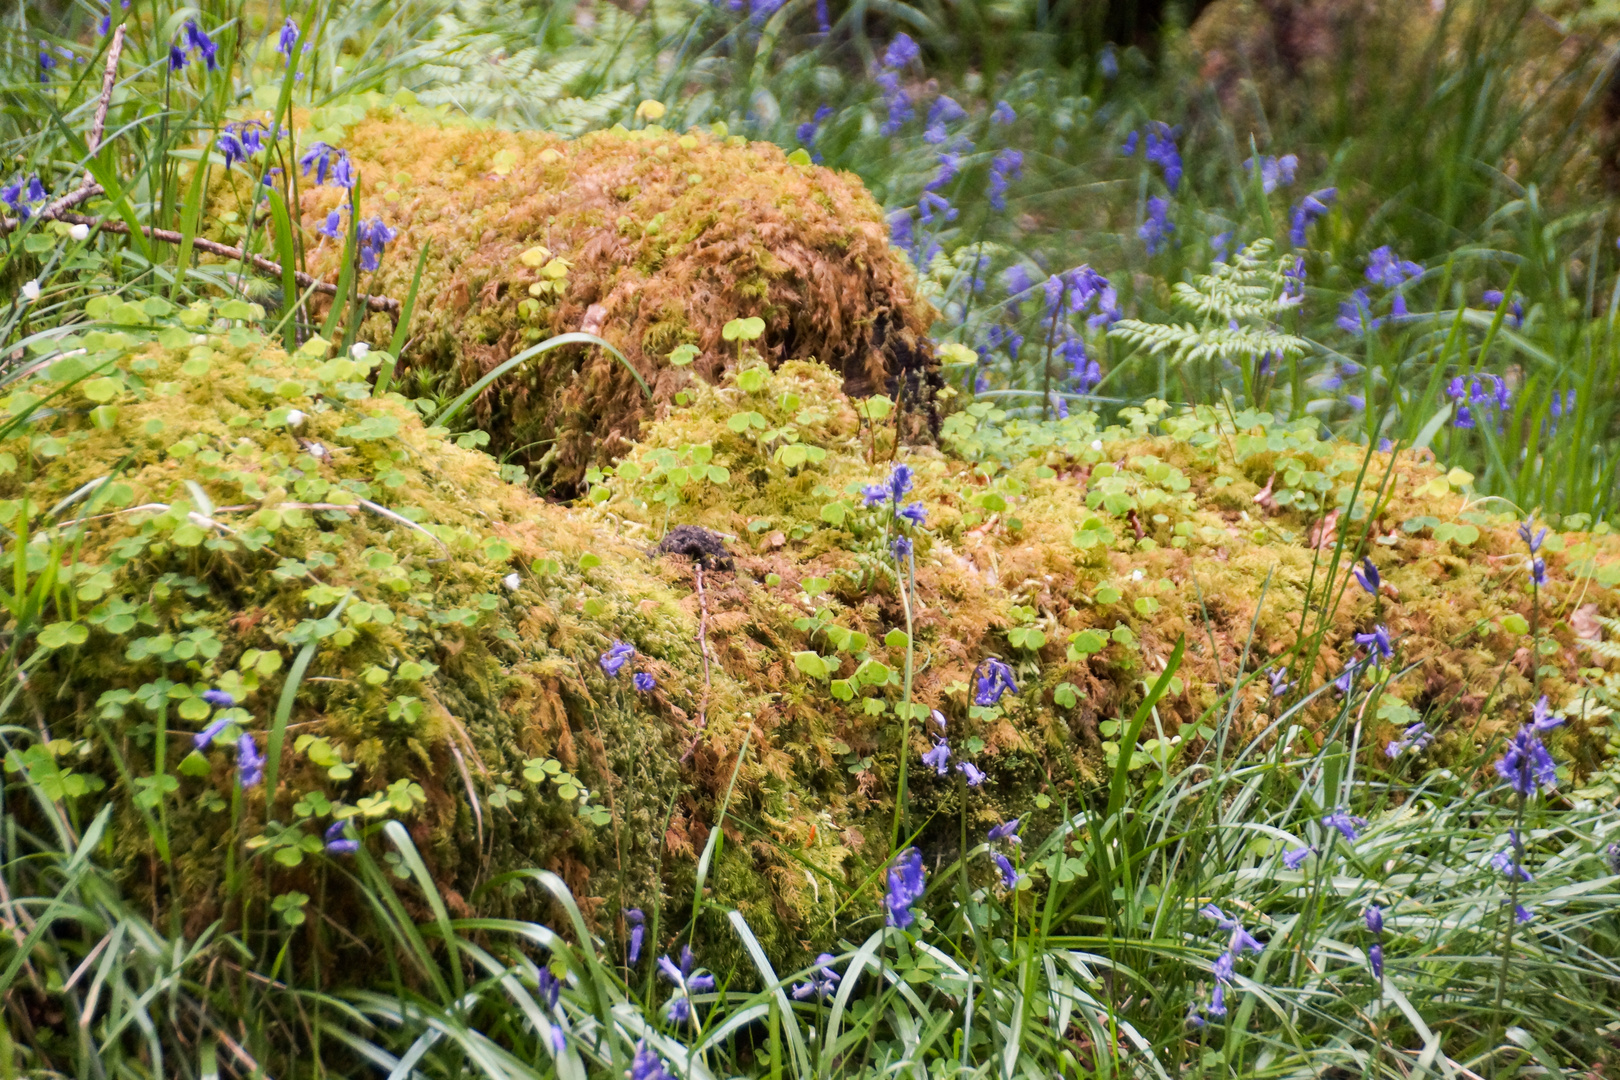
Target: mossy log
649	238
221	509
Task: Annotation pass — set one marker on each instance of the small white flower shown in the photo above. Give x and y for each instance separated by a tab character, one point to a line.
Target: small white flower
316	450
1096	444
30	290
1137	575
511	582
80	231
359	349
295	418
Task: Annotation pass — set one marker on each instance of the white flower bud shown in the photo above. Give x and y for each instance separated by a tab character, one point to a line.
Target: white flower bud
295	418
359	349
1096	444
80	231
511	582
30	290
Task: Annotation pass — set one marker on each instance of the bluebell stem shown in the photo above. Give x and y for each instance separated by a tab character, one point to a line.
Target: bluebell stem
906	885
1367	575
1003	114
1007	830
1156	227
1295	858
1416	738
996	681
638	932
1009	876
287	38
205	738
249	762
971	771
337	843
823	981
616	657
939	758
1308	211
1349	827
373	236
644	682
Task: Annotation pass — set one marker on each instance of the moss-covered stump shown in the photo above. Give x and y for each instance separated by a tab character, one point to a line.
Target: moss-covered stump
226	513
652	239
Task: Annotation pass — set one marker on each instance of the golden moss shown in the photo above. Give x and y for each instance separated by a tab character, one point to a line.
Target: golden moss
229	532
664	237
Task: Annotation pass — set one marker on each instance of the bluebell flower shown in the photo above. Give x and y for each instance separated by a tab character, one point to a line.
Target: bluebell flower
1346	679
900	230
337	843
1507	864
333	228
36	190
934	205
1531	539
1128	147
616	657
1349	827
1611	854
1156	227
1522	913
996	680
219	699
1220	244
327	160
1526	765
914	512
1279	682
1243	941
1386	268
1374	915
899	482
895	99
1377	642
249	762
549	985
1293	859
1160	148
906	886
1009	876
823	981
1538	571
373	236
644	682
1308	211
939	758
177	58
1541	717
1222	920
1007	830
638	930
1003	114
47	63
808	130
1107	62
1217	1001
902	52
945	110
1367	575
678	1010
1375	958
823	19
1225	967
901	546
1355	314
646	1065
205	738
975	777
1494	297
949	165
1416	738
287	38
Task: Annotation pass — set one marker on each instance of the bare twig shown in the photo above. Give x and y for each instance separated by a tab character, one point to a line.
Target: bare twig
88	188
703	646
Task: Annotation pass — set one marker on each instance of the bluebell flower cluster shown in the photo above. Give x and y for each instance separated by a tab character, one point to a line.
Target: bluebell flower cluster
1003	114
679	1008
1007	830
1510	861
1367	576
644	682
1478	397
646	1065
901	54
618	654
287	38
1415	739
823	982
1239	941
242	140
1006	164
995	680
1308	211
1527	766
193	40
808	130
1295	858
1158	142
906	886
939	758
1391	271
1279	681
373	236
942	112
249	762
1156	227
1347	826
1355	314
1374	916
1515	312
23	195
328	161
1275	172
